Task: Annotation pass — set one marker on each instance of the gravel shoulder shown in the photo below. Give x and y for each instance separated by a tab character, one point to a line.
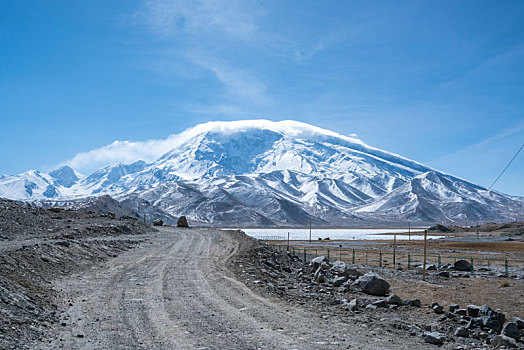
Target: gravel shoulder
177	291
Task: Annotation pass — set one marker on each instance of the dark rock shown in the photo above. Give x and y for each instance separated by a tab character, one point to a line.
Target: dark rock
338	281
380	303
182	222
158	222
474	323
435	338
519	321
463	265
412	302
373	284
502	340
491	319
473	310
443	274
449	315
462	312
511	329
453	307
462	332
439	309
394	300
316	262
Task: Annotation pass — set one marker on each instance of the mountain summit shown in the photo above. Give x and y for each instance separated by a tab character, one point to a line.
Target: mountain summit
259	173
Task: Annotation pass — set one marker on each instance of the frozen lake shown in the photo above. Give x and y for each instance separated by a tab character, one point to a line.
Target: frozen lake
345	233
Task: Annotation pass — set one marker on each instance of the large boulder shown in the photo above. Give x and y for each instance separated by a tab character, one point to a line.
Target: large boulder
158	222
373	284
182	222
463	265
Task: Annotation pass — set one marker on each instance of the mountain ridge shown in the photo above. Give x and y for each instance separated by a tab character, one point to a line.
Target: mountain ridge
263	173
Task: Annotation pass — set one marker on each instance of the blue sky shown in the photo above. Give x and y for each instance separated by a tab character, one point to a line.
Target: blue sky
440	82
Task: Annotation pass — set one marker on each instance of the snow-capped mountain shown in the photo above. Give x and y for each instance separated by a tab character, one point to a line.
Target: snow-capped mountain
275	173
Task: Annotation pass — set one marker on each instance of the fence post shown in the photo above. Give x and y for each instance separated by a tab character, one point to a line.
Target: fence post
394	250
409	261
328	253
366	258
305	258
471	260
439	262
293	251
380	258
340	255
425	244
506	267
353	259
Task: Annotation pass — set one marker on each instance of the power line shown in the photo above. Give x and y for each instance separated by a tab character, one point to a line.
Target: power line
507	166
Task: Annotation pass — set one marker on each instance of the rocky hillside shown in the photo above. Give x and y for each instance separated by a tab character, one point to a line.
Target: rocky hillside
40	245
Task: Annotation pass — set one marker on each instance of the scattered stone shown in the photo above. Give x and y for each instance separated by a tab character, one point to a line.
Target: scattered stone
352	305
158	222
443	274
182	222
511	329
373	284
435	338
315	262
473	310
449	315
454	307
505	341
338	281
462	312
462	332
519	321
394	300
463	265
491	319
380	303
412	302
439	309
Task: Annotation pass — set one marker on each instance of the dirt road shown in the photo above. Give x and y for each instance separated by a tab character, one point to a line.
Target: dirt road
175	292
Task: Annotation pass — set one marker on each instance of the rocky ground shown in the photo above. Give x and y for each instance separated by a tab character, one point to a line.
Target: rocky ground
360	295
39	247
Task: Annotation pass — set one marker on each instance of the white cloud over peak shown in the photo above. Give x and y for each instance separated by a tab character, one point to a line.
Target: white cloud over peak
150	150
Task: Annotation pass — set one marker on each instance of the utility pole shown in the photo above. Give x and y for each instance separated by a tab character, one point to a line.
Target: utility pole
409	232
310	231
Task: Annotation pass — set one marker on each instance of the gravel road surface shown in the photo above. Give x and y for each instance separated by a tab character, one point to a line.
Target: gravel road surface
175	292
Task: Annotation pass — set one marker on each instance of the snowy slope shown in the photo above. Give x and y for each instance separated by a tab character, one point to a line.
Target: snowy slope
275	173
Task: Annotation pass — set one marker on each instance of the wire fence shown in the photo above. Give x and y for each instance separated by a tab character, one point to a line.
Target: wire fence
401	259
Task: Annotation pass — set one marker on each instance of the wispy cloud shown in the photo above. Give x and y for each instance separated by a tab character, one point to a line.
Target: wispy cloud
465	153
174	18
196	31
